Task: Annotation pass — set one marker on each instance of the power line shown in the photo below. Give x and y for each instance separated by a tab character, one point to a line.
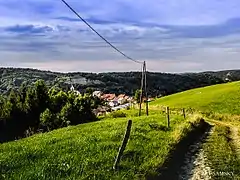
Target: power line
144	70
115	48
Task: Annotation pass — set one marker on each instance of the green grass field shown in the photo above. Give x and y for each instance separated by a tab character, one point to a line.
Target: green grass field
223	98
88	151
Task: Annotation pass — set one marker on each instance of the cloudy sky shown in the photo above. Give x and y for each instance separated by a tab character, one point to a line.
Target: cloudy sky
171	35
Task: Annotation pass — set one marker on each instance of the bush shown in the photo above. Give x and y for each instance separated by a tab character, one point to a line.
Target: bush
49	120
117	114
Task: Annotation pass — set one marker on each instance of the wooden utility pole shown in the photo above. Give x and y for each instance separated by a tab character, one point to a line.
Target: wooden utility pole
144	86
145	89
141	95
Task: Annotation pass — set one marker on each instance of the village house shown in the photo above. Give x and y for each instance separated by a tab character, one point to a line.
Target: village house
108	97
101	111
97	94
122	99
114	102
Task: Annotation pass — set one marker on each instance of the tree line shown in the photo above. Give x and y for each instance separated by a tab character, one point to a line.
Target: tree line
159	84
35	108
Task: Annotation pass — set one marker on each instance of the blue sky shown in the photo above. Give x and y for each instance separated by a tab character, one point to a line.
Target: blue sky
171	35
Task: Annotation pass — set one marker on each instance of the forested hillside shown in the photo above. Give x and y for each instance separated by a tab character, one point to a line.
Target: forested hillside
125	82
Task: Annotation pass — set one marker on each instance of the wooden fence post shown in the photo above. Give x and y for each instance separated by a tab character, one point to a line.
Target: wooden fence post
184	114
168	117
124	144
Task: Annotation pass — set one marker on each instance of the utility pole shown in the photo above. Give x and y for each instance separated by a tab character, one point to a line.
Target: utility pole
143	86
141	95
145	89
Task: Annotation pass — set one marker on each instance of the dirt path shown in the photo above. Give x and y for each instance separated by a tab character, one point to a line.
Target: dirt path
195	164
188	160
234	135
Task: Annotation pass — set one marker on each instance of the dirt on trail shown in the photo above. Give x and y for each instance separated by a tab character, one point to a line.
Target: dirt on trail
235	137
195	164
188	160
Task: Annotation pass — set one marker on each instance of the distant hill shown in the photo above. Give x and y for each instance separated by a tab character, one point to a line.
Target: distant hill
124	82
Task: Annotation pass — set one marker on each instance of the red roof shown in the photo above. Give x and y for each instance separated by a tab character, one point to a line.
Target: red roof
111	96
108	96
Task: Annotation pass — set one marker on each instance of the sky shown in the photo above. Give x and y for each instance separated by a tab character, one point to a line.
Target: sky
170	35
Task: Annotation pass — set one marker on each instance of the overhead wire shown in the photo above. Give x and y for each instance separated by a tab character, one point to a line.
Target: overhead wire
144	71
110	44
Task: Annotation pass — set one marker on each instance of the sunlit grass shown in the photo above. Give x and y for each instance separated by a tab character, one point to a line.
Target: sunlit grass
88	151
220	153
223	98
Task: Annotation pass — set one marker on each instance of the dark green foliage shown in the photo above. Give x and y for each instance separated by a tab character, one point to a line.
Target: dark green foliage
137	95
159	84
50	120
58	100
118	114
34	108
89	91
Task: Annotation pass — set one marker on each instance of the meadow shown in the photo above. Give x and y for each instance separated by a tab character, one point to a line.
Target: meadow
88	151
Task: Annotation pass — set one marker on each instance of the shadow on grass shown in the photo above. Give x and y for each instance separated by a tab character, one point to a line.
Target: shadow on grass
172	166
159	127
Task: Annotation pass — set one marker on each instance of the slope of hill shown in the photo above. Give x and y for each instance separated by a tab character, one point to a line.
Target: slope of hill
126	82
88	151
223	98
219	105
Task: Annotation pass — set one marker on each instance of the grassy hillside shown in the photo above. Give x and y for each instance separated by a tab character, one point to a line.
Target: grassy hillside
88	151
222	101
223	98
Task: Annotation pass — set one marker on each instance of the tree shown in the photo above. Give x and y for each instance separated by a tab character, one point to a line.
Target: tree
15	116
58	101
89	91
42	96
23	92
68	114
49	120
37	101
137	95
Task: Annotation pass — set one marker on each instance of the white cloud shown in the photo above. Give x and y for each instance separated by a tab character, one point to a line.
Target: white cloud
132	27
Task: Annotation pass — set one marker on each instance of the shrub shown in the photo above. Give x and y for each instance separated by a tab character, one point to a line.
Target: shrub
117	114
48	120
